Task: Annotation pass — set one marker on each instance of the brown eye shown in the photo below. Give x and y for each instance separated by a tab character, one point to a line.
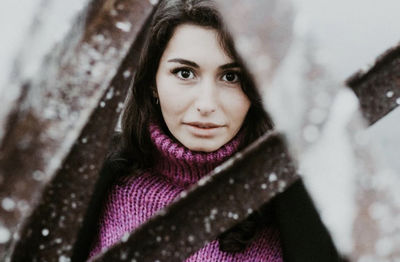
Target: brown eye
232	77
184	73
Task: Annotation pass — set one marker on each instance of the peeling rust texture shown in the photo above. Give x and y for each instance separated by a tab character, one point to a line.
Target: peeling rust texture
378	89
33	141
65	200
239	185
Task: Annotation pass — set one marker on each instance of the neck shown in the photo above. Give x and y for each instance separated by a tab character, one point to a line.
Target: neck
182	166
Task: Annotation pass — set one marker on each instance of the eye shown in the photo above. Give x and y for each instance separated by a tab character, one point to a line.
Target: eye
231	77
183	73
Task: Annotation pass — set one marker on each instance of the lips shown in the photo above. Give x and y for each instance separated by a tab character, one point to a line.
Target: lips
204	130
204	124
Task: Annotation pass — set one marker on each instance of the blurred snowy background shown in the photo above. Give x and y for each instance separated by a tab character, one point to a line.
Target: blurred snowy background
350	170
344	36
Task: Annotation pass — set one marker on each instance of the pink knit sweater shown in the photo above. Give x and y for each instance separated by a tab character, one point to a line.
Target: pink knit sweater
134	199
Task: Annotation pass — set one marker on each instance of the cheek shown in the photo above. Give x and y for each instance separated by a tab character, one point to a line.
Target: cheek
238	106
164	89
172	99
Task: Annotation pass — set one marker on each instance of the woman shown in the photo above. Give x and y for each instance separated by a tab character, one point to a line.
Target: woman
191	107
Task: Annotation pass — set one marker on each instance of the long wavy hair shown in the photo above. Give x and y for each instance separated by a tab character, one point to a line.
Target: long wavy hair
134	147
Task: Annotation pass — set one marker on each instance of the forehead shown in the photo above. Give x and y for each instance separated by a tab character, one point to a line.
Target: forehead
197	43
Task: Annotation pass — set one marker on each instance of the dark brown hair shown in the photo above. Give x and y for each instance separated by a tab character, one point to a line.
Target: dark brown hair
141	107
135	147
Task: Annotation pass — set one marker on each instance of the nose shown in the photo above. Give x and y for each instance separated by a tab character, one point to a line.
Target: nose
206	101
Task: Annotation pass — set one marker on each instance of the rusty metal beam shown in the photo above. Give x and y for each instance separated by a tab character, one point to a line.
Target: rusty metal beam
257	174
242	184
378	88
45	131
64	203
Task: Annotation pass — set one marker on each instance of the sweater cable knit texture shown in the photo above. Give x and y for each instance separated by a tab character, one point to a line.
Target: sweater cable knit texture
134	199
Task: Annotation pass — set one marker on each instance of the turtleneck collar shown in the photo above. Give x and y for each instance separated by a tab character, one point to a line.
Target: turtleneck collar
182	166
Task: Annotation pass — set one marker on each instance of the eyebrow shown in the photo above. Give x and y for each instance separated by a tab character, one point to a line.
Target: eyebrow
193	64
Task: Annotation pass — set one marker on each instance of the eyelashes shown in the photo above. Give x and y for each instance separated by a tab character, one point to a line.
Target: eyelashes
231	76
185	74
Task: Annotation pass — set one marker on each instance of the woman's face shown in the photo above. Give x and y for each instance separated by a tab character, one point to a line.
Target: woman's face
199	89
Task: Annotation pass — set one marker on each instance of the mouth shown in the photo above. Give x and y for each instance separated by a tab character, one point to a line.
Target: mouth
204	125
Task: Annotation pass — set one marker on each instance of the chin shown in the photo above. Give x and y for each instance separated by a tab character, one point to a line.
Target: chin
206	150
202	147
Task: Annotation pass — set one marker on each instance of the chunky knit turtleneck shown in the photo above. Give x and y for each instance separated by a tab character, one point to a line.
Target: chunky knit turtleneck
182	166
134	199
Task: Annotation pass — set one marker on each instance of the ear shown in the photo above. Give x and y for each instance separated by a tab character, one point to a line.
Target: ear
155	94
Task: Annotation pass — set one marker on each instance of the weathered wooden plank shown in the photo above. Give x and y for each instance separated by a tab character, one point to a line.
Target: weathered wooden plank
240	185
378	88
50	117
